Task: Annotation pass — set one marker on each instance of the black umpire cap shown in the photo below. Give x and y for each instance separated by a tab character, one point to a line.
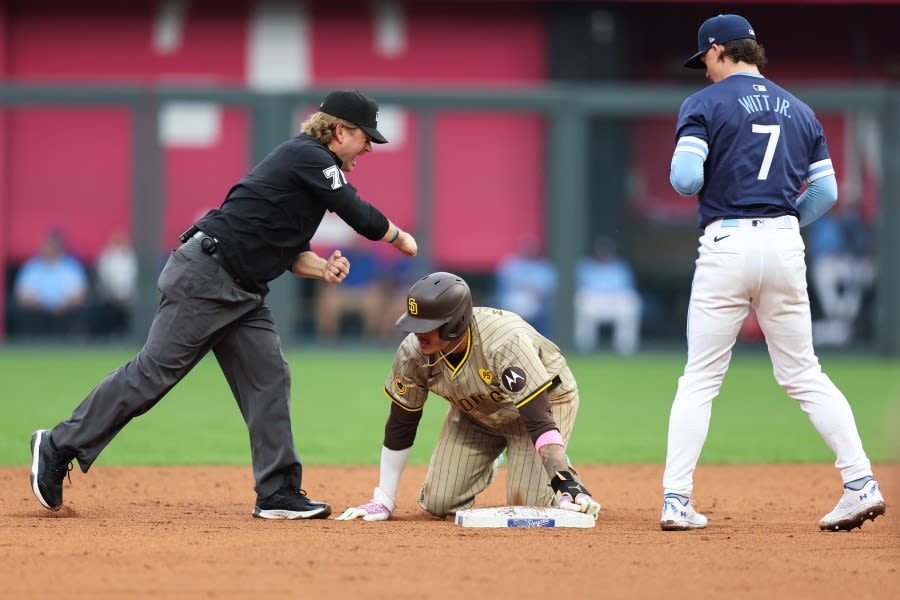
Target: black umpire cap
354	107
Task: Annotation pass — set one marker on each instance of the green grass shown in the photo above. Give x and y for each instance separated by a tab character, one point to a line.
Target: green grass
339	409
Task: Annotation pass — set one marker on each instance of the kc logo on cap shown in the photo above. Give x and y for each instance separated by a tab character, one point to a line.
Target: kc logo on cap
352	106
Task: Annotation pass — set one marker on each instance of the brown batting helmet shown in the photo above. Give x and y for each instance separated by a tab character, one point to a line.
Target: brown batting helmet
439	300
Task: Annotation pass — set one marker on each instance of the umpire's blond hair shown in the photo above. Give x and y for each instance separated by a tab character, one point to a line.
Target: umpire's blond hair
322	125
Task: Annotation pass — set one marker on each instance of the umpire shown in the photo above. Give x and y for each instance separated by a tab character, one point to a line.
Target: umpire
213	291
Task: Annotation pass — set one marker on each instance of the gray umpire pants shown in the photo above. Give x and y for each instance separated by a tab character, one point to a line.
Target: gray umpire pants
201	309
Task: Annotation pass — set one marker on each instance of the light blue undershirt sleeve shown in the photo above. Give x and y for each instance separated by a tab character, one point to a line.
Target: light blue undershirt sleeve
817	199
686	171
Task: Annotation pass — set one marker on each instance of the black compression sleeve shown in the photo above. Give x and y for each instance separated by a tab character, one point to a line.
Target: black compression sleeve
400	429
537	416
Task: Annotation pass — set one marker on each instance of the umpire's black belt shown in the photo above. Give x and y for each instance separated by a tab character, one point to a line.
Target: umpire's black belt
210	246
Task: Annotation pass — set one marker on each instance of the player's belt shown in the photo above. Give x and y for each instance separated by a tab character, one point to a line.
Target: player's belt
783	222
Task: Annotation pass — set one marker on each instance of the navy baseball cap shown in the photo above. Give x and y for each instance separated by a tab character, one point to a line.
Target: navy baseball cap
354	107
719	30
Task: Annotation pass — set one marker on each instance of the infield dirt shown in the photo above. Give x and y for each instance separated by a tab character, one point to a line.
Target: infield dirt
186	532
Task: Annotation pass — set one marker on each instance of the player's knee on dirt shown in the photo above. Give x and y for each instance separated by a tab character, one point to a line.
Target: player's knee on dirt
441	505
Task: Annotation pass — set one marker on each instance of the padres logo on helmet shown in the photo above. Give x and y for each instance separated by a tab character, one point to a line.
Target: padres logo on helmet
439	301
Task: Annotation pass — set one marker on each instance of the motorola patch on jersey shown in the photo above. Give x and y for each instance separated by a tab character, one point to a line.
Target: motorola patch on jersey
513	379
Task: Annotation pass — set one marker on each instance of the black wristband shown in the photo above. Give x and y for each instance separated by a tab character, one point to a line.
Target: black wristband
564	483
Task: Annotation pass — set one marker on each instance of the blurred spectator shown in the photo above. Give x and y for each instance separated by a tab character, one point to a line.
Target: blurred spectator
115	284
605	294
525	282
396	275
839	244
50	292
360	294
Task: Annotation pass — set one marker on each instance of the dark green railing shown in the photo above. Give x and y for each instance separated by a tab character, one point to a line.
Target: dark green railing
567	108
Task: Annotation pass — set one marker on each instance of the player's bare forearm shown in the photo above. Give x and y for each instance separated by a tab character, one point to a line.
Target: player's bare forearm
554	458
569	491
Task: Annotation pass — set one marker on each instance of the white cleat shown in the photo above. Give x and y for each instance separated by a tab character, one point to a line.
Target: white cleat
680	517
854	508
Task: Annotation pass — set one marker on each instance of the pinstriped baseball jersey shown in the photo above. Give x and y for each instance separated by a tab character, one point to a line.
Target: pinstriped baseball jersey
506	363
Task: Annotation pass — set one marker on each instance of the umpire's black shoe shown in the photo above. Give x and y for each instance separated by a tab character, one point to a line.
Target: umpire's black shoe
290	504
49	468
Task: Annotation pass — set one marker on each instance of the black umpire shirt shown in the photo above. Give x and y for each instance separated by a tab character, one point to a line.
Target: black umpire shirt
270	216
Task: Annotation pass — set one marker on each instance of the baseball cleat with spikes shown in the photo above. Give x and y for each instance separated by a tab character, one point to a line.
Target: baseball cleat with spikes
854	508
680	516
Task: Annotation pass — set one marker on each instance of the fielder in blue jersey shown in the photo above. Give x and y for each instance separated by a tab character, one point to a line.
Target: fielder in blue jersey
746	147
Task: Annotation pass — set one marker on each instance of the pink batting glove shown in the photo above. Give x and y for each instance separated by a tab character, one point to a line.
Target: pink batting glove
379	508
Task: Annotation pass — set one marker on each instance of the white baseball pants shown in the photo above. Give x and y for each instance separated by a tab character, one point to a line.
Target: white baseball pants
758	262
